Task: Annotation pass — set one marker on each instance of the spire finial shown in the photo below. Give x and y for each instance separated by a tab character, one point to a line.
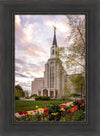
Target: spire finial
54	39
54	29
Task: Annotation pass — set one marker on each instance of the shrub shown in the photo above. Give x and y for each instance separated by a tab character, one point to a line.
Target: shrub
53	108
45	98
33	95
78	115
42	98
26	97
16	98
54	112
74	95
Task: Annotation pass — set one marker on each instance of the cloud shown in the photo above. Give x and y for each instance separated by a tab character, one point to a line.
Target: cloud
61	24
24	42
33	38
17	20
28	70
19	61
20	75
29	29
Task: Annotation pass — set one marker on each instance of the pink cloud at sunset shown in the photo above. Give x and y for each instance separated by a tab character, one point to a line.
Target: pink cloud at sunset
33	39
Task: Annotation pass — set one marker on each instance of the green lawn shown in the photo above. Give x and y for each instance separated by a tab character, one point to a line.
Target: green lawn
22	105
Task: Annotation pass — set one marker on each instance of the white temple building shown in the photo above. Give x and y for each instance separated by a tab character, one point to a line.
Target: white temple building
52	84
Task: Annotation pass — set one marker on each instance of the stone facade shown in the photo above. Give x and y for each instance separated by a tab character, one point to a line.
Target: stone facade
53	82
37	85
54	79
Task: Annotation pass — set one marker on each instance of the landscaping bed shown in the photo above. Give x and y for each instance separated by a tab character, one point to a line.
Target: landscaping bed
71	111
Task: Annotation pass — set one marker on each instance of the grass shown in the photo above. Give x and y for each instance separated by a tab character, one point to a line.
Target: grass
22	105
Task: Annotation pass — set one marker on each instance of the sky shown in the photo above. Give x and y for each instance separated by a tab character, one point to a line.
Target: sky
33	39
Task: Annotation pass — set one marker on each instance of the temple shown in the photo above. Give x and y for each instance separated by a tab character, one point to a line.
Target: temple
55	77
53	82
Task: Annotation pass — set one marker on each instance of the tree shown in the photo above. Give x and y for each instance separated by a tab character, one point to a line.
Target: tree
18	87
19	91
74	55
78	83
26	94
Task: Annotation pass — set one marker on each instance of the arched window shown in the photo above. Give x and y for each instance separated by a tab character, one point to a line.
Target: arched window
52	75
45	92
53	52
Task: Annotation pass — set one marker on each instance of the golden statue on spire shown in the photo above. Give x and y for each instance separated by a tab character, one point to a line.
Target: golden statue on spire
54	28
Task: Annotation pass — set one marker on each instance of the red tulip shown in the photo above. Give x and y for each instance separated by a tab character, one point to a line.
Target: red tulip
71	111
76	107
45	102
80	102
46	110
46	114
21	112
63	106
25	112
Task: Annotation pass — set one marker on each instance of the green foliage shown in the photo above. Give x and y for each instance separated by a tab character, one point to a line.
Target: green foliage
42	98
19	91
53	108
74	54
64	97
22	105
27	118
33	95
80	105
65	118
16	98
27	95
78	115
18	87
76	101
36	117
67	89
78	82
77	48
74	95
54	111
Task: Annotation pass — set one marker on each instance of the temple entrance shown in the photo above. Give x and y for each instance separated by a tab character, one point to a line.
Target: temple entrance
45	92
39	93
51	94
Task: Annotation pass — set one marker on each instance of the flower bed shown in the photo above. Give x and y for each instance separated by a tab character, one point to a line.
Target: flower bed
65	112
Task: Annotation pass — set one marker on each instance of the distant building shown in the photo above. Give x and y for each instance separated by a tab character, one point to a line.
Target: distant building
54	79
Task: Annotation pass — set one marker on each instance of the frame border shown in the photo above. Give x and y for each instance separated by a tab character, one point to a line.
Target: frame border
92	128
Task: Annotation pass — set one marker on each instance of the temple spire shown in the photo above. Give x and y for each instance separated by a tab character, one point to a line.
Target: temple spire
54	39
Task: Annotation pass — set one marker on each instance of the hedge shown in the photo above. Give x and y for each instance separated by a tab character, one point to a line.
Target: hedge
42	98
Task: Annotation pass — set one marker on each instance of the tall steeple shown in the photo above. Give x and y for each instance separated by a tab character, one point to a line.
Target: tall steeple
54	46
54	38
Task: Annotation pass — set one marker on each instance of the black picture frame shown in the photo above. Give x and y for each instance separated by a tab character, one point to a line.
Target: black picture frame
8	127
